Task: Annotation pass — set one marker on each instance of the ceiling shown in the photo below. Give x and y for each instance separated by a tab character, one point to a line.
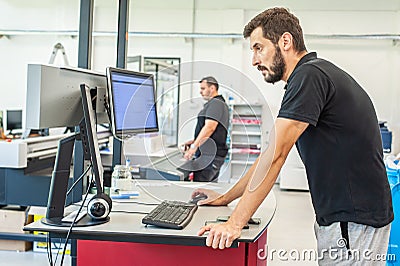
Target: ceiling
298	5
323	5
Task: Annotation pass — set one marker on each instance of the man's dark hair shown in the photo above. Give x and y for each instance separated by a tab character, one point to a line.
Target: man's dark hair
210	81
274	22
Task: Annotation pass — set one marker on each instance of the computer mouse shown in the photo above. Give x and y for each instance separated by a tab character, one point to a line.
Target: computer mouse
197	198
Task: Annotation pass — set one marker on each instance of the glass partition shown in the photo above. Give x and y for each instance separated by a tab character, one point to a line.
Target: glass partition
166	73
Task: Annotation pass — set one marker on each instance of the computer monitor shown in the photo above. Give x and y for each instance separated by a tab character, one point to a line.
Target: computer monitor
132	102
53	98
13	121
100	205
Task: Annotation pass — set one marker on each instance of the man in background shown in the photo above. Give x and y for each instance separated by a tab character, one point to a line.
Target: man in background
209	143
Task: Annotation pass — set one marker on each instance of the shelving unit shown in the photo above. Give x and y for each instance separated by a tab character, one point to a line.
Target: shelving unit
245	138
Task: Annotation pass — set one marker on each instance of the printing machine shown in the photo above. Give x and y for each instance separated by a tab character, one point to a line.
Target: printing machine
22	153
26	166
53	99
166	168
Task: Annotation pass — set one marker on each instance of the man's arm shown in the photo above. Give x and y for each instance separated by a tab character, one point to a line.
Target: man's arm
265	173
207	130
216	199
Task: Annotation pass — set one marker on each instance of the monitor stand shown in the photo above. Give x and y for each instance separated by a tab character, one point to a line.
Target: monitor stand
59	185
61	172
14	135
85	221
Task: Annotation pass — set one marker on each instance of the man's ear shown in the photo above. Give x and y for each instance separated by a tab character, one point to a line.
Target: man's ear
287	41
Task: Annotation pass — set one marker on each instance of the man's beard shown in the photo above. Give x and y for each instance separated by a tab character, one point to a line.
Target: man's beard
206	97
278	67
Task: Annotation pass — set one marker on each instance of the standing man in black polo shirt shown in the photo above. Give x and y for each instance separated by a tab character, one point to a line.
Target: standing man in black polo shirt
209	143
332	121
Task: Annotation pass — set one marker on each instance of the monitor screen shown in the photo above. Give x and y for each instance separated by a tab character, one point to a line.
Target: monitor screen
132	102
14	119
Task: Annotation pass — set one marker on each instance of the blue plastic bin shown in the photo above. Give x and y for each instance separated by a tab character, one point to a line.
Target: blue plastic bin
393	177
394	240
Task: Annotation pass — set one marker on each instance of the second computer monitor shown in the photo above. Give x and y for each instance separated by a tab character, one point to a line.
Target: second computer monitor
132	102
13	121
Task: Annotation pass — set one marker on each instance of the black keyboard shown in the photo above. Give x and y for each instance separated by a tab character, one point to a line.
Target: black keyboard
171	214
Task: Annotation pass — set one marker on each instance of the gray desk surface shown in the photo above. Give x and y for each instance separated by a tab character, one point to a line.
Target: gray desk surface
125	225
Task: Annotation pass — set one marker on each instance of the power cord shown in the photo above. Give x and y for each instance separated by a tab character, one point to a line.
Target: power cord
108	111
128	202
76	217
79	179
48	248
49	254
130	212
107	107
137	202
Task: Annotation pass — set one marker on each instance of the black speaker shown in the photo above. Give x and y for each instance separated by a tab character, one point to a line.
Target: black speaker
99	206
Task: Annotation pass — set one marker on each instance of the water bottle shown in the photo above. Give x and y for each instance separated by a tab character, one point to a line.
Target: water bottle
121	178
231	100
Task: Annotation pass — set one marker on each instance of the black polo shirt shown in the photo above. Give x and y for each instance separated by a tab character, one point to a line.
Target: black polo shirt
342	147
215	109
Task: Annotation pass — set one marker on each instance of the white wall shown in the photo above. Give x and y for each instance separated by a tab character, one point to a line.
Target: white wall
16	51
373	63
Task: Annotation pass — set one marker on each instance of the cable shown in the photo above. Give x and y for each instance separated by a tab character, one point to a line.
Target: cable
78	204
133	212
127	202
137	202
107	107
79	179
48	248
58	250
74	221
69	191
108	111
123	138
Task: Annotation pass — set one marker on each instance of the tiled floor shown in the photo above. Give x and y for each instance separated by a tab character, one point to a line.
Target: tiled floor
291	231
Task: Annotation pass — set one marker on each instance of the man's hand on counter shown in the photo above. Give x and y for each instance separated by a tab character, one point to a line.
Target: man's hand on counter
220	235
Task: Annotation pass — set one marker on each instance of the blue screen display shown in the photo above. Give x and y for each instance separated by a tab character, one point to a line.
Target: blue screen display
134	101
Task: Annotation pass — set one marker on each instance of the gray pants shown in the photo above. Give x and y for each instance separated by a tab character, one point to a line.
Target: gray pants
362	245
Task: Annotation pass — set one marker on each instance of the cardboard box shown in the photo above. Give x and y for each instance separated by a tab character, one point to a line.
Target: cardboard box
15	245
13	221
